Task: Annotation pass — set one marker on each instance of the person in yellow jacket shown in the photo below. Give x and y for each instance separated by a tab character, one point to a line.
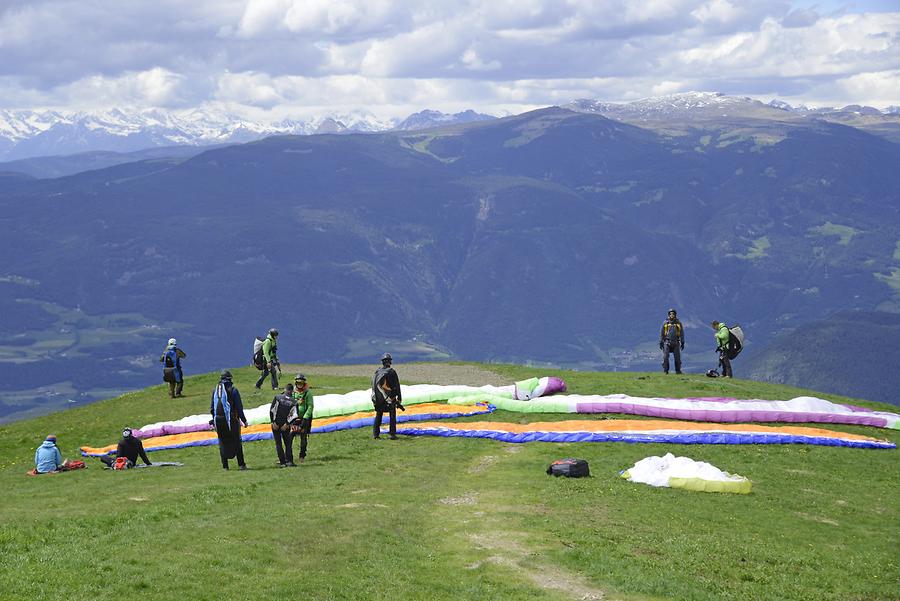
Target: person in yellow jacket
671	340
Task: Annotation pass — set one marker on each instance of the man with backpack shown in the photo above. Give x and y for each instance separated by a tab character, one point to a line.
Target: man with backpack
671	340
227	412
269	360
386	396
723	337
283	413
172	374
304	399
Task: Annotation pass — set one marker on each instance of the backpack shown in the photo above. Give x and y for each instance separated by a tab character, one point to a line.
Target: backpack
570	468
122	463
169	360
735	342
259	360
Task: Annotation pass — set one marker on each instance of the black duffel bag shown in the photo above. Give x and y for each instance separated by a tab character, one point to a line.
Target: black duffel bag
570	468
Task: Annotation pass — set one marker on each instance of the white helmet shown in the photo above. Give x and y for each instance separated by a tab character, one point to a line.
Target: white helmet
172	342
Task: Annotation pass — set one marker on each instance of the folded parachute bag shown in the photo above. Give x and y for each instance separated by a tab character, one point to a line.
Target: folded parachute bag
570	468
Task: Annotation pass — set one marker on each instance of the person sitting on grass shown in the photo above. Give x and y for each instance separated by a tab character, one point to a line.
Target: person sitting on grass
130	447
48	459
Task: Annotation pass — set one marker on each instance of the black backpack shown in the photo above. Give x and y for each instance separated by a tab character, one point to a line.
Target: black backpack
570	468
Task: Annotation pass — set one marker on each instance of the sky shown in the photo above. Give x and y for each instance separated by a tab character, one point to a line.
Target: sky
297	58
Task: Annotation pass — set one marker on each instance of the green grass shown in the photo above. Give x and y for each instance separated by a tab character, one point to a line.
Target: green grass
428	518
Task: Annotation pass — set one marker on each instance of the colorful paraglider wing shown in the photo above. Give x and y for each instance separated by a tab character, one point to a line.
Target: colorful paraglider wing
327	405
709	409
645	431
427	411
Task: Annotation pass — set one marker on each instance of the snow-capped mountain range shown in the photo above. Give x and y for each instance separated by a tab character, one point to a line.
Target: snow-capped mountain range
26	133
710	104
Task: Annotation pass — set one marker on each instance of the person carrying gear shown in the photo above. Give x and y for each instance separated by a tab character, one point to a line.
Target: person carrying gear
130	447
172	374
283	413
671	340
722	338
386	396
227	412
270	354
304	399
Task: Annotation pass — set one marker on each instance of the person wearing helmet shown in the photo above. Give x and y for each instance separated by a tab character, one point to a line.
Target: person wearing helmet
386	396
130	447
172	374
227	412
671	340
284	418
723	335
270	355
304	399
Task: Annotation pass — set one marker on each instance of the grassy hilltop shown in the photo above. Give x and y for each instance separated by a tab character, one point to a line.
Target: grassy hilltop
428	518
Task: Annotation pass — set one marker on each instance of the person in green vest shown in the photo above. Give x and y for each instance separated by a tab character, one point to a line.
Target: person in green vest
270	355
304	398
723	335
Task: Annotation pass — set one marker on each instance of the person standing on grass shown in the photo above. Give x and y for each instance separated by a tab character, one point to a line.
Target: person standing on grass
283	413
172	374
304	399
723	335
386	396
227	412
671	340
270	356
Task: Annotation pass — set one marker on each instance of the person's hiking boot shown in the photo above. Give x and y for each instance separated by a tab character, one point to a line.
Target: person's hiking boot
393	437
179	395
292	464
302	459
283	464
679	373
242	468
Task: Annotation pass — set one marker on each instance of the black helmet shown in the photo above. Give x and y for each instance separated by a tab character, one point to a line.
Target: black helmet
300	378
712	374
386	357
225	375
673	311
273	332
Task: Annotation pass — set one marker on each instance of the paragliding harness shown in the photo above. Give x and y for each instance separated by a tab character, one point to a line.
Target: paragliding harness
259	360
735	342
169	365
570	468
122	463
386	395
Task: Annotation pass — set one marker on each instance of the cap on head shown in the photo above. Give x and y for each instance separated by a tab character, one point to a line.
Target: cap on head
225	375
273	332
289	387
51	438
172	342
714	324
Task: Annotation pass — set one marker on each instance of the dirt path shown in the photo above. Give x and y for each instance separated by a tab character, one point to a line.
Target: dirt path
410	373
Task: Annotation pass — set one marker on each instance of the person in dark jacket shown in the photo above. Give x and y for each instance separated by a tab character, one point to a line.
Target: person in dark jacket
172	373
304	398
671	340
130	447
227	412
283	414
386	396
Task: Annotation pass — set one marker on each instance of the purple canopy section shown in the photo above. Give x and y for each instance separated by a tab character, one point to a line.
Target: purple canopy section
737	415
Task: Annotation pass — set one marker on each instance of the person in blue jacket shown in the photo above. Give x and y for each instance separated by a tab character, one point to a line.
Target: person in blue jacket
172	374
47	457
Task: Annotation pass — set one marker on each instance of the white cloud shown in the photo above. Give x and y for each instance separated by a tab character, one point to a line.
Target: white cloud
287	54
